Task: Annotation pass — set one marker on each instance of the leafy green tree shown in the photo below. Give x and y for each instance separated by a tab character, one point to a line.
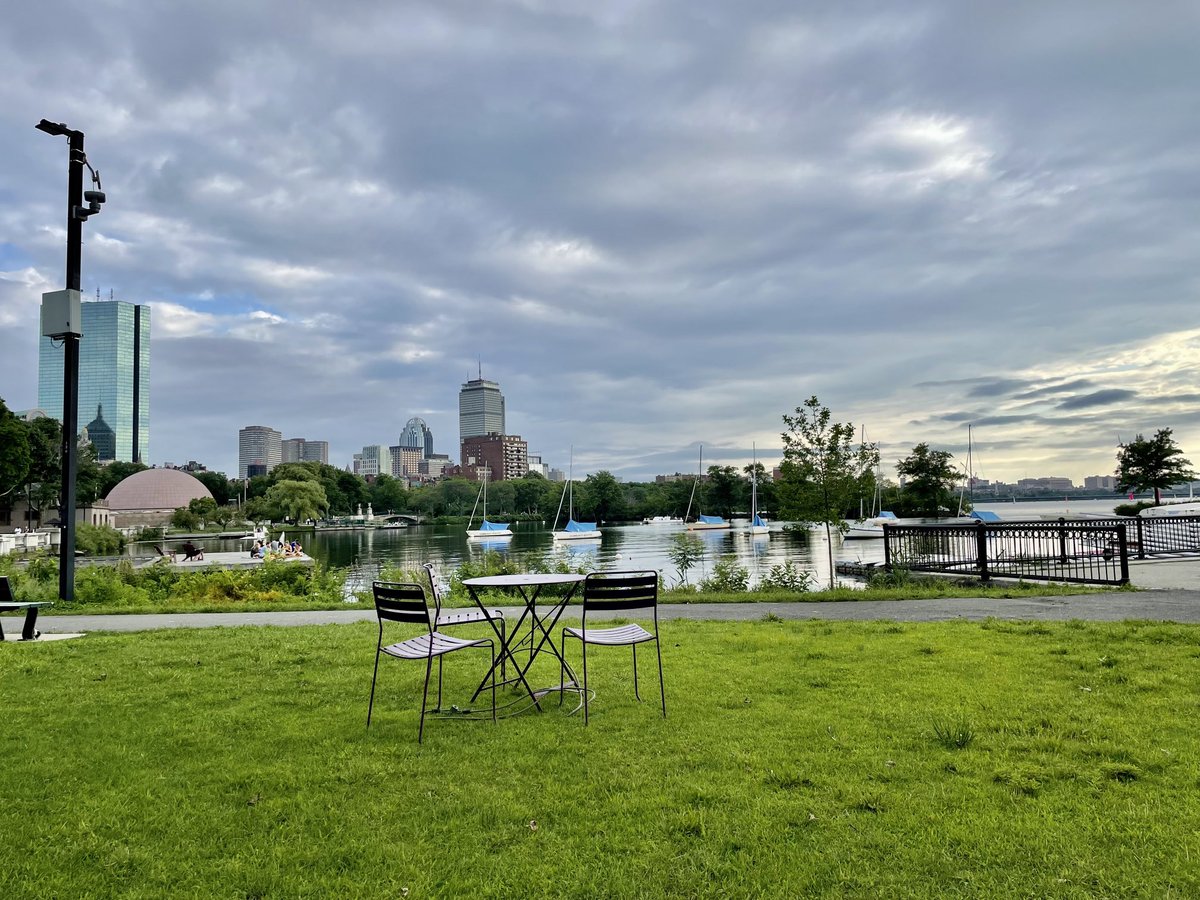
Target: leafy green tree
822	469
14	452
931	477
203	508
602	497
186	519
388	494
685	551
297	501
1157	463
724	490
530	493
222	489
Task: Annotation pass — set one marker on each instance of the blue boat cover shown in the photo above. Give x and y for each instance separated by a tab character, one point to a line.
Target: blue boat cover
580	526
711	520
886	514
758	521
485	525
983	515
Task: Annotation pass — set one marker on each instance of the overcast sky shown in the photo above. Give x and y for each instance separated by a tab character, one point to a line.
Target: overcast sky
656	225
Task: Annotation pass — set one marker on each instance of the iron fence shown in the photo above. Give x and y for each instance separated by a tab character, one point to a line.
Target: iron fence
1091	553
1158	535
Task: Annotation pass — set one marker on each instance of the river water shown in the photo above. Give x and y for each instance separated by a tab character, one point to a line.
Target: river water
629	546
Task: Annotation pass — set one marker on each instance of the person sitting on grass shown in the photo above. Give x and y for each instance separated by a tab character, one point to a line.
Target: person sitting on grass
257	552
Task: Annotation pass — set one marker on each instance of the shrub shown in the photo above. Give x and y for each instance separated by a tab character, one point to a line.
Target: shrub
727	577
786	577
1132	509
99	540
685	551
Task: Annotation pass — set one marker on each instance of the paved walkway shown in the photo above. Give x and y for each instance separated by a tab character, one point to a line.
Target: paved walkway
1170	592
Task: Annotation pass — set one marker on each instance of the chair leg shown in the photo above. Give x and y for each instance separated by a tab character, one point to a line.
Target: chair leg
635	680
493	648
374	675
438	708
662	691
562	669
425	698
503	643
586	696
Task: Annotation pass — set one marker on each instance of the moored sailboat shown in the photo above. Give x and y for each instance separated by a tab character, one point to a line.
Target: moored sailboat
489	531
757	524
574	531
703	522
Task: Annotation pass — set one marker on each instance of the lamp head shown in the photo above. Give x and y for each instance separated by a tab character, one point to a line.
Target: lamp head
52	127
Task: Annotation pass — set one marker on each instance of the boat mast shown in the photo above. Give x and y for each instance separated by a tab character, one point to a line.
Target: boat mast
754	485
692	496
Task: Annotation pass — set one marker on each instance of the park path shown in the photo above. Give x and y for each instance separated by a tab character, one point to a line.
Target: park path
1112	606
1170	592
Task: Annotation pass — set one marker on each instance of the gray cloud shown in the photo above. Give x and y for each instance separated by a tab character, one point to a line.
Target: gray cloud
655	224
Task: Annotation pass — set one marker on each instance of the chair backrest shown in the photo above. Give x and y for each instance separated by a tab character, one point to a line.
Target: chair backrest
434	591
6	594
604	591
400	602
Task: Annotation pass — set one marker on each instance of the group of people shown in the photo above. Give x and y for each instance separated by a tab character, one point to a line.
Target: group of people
276	549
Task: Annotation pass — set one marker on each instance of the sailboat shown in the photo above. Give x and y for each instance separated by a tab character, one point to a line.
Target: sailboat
703	522
872	527
486	530
575	531
757	525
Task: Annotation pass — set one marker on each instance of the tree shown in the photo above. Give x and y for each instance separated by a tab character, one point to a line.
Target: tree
822	469
724	488
931	478
14	452
603	496
116	472
222	489
296	500
1156	463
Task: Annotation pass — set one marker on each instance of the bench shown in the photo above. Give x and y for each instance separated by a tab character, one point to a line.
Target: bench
8	603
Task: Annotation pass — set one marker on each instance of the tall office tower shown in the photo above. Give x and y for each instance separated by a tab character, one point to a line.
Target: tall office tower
292	450
480	410
258	446
374	460
114	378
315	451
416	434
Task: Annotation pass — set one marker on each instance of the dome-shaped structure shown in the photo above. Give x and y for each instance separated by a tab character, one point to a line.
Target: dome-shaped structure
156	489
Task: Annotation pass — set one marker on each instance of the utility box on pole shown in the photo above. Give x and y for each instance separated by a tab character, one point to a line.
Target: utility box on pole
62	314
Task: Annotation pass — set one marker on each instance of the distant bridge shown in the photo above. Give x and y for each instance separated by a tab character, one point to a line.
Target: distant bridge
410	518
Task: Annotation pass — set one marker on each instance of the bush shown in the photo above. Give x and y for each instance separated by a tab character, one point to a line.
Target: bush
727	577
787	577
1132	509
99	540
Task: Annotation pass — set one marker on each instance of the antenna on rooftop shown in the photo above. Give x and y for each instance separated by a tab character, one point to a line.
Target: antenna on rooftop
480	361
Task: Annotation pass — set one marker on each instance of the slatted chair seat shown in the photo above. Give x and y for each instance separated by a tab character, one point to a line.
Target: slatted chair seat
612	637
420	647
610	592
406	603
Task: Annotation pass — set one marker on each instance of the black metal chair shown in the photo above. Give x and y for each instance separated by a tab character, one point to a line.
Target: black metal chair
465	616
606	592
406	603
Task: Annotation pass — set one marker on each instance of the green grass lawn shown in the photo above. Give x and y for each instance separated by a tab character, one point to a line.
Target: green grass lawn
798	758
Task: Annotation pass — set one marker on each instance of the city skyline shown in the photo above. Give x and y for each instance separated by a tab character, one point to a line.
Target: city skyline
655	225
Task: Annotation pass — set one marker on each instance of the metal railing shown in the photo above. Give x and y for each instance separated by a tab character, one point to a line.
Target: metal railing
1088	553
1152	536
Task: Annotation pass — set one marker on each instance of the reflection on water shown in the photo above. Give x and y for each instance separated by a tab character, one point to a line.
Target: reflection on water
620	547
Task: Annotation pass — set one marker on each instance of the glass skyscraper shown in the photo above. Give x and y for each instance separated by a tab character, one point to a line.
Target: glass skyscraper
114	378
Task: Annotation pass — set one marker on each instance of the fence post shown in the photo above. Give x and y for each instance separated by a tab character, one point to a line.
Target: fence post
1140	539
1062	541
981	551
1123	543
887	549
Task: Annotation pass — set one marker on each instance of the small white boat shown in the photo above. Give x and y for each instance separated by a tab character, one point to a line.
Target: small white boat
865	529
662	520
488	531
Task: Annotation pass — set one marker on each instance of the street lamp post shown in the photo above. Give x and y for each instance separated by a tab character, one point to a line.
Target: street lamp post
77	214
